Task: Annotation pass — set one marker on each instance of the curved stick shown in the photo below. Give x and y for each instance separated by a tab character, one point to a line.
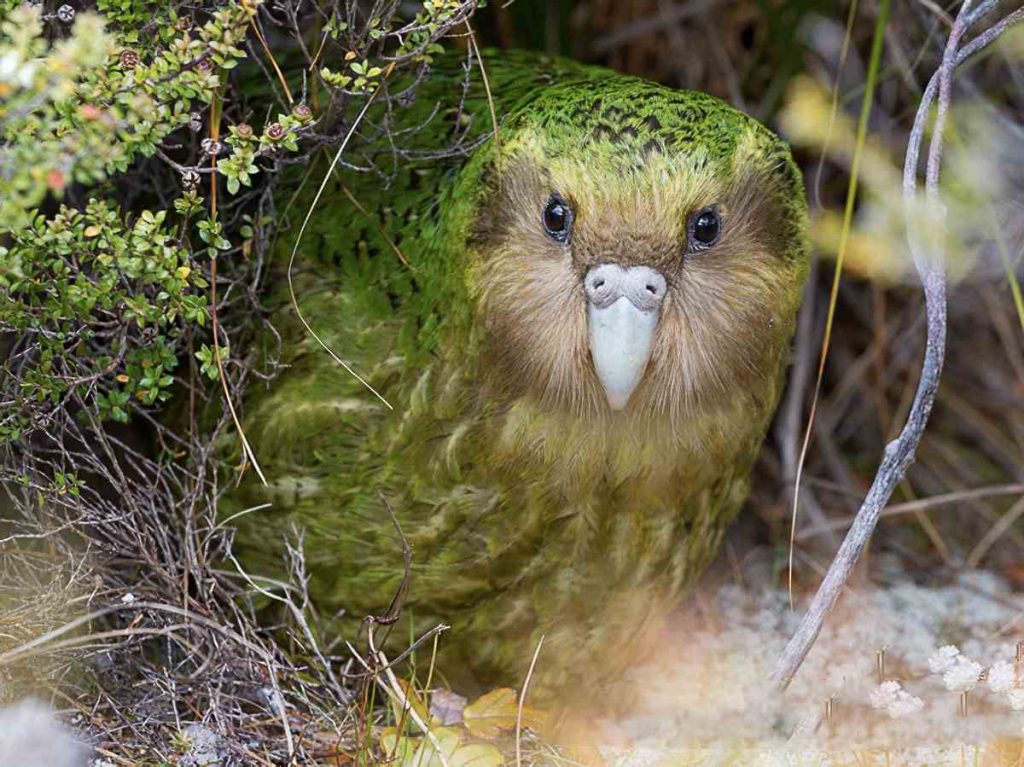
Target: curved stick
900	453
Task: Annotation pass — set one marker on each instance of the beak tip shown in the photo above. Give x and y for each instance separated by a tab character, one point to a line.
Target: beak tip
617	401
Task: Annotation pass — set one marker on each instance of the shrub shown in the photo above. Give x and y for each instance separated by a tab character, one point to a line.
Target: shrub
141	145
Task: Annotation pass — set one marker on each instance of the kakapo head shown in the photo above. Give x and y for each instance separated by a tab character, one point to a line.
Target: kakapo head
633	249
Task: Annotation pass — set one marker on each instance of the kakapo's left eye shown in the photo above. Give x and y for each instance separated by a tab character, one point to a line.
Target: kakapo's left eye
705	228
557	218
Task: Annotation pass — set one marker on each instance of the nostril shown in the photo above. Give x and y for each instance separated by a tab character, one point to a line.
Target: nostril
652	289
597	284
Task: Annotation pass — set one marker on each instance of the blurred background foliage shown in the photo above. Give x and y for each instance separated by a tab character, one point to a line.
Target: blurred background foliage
141	149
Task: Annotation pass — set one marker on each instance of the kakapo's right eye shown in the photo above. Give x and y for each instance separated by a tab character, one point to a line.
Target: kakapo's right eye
557	218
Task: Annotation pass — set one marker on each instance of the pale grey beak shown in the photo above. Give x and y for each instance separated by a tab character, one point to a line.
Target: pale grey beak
623	307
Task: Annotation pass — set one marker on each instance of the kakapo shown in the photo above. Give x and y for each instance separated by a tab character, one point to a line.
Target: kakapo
580	326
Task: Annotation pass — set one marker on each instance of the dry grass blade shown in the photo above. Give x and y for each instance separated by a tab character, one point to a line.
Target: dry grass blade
487	90
921	504
302	230
247	450
851	197
375	224
273	60
1002	525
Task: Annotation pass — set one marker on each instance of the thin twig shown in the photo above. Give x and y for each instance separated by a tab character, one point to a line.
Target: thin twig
522	702
921	504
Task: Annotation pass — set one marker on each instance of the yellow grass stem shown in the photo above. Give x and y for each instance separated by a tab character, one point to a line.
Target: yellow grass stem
851	197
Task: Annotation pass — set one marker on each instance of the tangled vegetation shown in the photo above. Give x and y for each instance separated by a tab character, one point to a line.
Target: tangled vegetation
137	203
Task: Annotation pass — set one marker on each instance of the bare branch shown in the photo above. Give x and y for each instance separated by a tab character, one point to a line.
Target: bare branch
900	453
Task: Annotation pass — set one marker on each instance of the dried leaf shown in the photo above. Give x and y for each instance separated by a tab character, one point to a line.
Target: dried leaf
495	711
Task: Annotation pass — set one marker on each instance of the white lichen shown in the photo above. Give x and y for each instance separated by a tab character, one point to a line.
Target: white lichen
1002	676
891	698
943	660
962	675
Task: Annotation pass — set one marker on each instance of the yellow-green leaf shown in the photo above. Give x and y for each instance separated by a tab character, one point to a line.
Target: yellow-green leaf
396	747
476	755
427	756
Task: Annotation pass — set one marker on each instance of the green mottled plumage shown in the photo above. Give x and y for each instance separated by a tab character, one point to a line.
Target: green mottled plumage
531	508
